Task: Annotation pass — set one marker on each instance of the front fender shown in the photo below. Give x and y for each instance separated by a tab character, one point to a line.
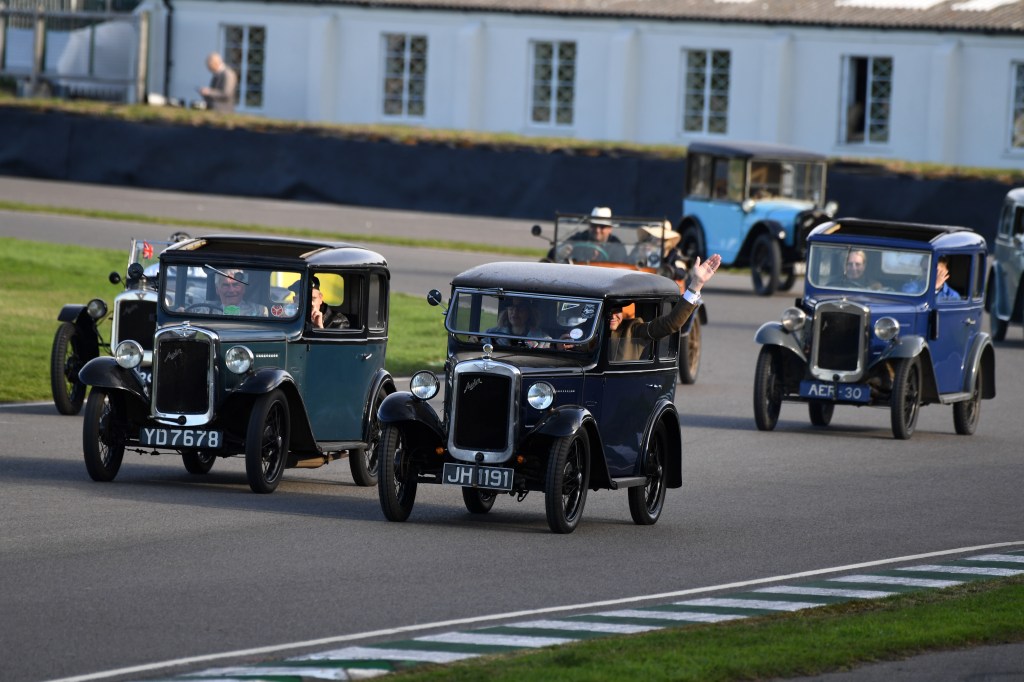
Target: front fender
403	406
72	312
904	347
562	421
263	381
667	414
774	334
104	372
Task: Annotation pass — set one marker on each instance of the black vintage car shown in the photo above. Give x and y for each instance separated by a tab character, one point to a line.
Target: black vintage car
553	408
239	367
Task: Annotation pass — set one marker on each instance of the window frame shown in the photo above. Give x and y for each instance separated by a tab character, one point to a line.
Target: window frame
554	84
707	92
243	67
407	77
847	93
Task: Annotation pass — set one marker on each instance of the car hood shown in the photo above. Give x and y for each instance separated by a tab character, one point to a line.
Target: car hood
880	305
240	332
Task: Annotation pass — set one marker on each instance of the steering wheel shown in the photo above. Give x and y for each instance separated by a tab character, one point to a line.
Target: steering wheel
211	307
595	252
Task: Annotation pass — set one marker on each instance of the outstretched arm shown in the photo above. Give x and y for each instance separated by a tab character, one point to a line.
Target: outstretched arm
702	272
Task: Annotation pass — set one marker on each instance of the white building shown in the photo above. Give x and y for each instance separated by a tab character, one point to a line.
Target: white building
921	80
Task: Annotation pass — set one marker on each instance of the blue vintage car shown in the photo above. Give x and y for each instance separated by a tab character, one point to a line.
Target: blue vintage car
754	204
240	368
878	325
1005	302
555	407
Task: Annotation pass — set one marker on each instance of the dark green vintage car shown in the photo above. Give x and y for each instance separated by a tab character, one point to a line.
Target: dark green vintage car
241	366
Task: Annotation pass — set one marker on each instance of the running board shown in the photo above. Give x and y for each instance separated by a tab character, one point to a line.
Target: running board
628	482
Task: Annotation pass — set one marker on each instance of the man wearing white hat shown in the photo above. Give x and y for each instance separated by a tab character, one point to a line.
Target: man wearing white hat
602	244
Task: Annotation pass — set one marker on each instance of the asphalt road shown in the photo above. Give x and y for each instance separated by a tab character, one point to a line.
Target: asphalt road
161	565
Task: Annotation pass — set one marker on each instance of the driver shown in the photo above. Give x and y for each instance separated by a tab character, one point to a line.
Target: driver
231	286
599	242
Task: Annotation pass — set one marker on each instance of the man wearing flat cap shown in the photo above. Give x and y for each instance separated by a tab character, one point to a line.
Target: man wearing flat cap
321	315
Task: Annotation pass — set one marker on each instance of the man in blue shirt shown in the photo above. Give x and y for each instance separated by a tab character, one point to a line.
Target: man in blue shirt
943	292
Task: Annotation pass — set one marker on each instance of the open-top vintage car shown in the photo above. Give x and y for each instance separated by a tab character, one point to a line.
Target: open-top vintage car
133	316
754	204
879	325
556	408
640	244
239	368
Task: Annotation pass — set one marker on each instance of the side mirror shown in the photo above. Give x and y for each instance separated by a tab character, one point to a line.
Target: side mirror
434	297
135	272
114	278
535	230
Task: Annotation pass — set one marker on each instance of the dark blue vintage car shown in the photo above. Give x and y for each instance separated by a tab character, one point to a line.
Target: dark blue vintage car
879	324
239	367
550	408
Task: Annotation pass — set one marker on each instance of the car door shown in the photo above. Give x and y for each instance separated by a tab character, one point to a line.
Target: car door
958	322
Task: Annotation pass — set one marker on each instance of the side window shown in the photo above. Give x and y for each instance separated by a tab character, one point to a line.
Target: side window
959	267
377	310
342	296
978	290
1018	221
698	176
729	179
668	347
623	345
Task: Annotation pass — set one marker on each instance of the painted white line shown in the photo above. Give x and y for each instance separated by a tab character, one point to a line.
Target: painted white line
365	653
826	592
676	616
964	570
584	626
249	672
524	641
461	622
894	580
1003	558
752	604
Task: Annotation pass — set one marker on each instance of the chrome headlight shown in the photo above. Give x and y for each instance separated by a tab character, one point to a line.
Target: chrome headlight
424	385
238	359
541	395
886	328
793	319
128	354
96	308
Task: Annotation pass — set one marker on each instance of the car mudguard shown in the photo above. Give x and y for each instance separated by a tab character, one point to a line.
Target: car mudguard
981	358
774	334
403	406
904	347
86	326
106	373
71	313
263	381
562	421
665	412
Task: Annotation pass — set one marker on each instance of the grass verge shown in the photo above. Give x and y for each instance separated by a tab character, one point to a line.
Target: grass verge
807	642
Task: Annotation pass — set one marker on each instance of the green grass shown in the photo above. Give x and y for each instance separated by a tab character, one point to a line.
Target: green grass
37	279
802	643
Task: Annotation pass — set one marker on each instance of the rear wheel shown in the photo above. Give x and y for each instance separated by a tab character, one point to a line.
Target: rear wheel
65	361
689	352
788	279
396	483
364	463
102	438
568	475
647	501
765	264
198	461
906	398
966	414
767	388
266	442
478	501
821	412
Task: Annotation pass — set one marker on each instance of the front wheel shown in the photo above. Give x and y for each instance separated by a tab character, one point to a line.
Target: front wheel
765	264
65	361
266	442
689	352
767	388
568	475
906	398
364	464
198	461
478	501
966	414
647	501
102	437
396	482
821	412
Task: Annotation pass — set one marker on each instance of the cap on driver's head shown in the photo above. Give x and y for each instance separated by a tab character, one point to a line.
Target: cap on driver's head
296	286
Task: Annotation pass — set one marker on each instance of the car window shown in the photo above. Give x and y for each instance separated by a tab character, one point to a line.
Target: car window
223	289
698	177
377	311
521	320
787	179
342	302
728	180
623	345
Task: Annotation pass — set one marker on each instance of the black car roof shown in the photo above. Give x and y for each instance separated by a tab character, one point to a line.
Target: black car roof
937	235
748	150
315	252
566	280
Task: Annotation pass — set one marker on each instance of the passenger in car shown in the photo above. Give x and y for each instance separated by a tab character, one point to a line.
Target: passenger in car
944	292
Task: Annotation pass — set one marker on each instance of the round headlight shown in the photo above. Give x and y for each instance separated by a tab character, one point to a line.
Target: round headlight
424	385
238	359
886	328
96	308
541	395
128	354
793	319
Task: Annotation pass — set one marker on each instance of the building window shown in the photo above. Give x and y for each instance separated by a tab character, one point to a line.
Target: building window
245	51
706	91
405	75
867	94
1017	133
554	83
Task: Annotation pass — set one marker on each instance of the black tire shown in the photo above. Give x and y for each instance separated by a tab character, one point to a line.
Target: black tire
765	264
266	442
998	327
967	414
821	412
102	438
768	388
787	280
396	484
198	461
568	476
478	501
364	464
647	501
691	245
65	361
689	352
905	401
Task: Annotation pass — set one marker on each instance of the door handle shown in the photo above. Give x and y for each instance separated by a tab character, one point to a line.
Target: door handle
366	356
969	321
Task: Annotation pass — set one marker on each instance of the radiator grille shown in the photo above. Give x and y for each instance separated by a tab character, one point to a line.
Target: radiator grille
136	320
182	373
839	341
482	413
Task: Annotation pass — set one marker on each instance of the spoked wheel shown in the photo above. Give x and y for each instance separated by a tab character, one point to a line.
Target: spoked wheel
102	437
266	442
568	475
647	501
65	361
478	501
906	398
691	245
821	412
767	388
966	414
689	352
765	265
396	483
198	461
364	464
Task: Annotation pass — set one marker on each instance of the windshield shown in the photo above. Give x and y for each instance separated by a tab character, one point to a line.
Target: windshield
225	289
636	242
804	181
521	320
853	268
